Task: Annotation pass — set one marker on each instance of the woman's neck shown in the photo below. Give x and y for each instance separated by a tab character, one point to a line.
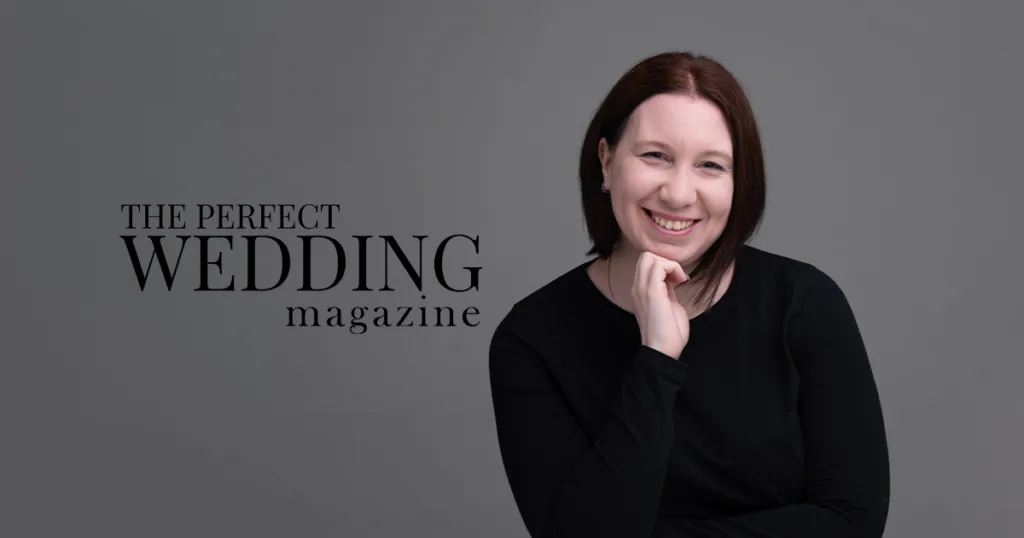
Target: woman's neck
615	274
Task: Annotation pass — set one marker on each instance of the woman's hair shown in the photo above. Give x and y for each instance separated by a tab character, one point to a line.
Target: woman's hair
697	76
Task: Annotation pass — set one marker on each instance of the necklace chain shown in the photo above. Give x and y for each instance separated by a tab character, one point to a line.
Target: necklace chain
611	290
609	271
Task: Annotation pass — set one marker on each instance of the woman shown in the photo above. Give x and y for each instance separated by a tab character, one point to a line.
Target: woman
683	383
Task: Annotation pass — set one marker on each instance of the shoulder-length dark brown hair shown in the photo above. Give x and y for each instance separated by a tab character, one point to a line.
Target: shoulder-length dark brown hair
698	76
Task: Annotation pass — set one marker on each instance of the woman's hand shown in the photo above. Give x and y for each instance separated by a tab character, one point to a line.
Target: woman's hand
664	323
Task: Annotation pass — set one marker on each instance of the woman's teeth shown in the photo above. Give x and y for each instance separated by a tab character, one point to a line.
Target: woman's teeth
674	225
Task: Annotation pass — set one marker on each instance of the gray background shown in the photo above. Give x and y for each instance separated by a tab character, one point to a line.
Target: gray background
891	133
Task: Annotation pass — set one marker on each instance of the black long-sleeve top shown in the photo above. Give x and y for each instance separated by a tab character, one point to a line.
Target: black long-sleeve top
767	425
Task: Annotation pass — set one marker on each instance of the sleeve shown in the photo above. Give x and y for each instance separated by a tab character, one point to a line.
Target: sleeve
846	489
564	483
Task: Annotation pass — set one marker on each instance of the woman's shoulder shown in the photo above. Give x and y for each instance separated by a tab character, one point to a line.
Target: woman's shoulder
558	302
789	278
773	265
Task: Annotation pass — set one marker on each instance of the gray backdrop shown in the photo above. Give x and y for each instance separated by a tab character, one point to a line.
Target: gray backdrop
891	132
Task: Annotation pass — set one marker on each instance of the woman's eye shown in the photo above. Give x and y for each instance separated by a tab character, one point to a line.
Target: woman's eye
714	166
655	154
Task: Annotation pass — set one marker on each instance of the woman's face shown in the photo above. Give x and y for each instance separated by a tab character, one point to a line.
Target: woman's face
670	177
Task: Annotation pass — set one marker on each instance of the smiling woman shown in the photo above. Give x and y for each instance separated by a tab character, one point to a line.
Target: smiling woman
683	383
670	174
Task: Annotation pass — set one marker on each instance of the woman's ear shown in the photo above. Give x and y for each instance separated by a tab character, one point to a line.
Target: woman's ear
604	153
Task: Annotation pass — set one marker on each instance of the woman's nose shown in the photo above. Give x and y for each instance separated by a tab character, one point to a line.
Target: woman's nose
679	189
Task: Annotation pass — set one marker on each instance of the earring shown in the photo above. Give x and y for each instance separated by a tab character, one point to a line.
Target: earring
604	188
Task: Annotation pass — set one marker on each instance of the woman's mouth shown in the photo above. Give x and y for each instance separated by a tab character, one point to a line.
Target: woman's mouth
670	226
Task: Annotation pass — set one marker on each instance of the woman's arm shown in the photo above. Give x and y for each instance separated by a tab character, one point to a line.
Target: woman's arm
564	484
846	489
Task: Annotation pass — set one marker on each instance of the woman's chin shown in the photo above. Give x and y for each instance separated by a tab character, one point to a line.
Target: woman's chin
670	252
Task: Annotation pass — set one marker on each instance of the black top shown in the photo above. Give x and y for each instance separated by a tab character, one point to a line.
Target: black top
767	425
